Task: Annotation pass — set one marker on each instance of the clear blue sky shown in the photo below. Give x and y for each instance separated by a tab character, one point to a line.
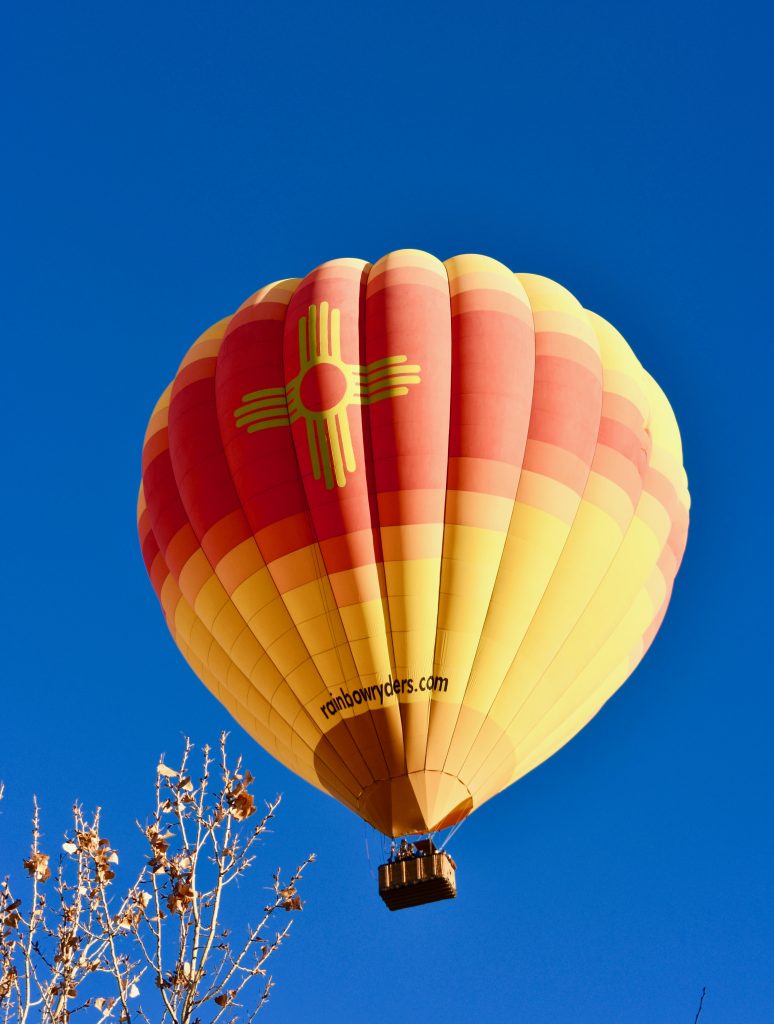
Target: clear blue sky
164	160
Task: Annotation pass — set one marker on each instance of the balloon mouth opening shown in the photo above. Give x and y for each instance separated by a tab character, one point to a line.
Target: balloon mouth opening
416	804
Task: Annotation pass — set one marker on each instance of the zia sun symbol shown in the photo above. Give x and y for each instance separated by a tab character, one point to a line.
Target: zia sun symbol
322	392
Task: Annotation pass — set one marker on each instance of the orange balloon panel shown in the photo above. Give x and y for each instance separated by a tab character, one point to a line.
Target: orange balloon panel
413	524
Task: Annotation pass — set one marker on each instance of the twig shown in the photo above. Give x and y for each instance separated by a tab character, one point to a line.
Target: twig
701	1003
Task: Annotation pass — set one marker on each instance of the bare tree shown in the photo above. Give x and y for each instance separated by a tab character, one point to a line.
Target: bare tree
160	952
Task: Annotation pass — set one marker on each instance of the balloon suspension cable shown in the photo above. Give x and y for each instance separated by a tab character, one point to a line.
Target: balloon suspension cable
368	850
459	824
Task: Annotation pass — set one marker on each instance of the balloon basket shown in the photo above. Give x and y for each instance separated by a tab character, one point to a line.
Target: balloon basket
422	875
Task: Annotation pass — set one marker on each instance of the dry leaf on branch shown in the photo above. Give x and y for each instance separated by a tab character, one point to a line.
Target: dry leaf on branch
7	982
37	866
9	915
181	896
242	806
292	903
241	803
159	846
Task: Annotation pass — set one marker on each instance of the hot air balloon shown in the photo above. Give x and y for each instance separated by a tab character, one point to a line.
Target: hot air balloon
412	523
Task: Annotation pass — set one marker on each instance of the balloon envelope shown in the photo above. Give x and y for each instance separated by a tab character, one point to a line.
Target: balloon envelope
412	523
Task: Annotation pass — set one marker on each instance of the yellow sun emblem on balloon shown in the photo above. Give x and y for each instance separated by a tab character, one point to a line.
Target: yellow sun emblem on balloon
323	391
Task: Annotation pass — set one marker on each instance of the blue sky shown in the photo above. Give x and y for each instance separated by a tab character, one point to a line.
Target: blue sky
166	160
